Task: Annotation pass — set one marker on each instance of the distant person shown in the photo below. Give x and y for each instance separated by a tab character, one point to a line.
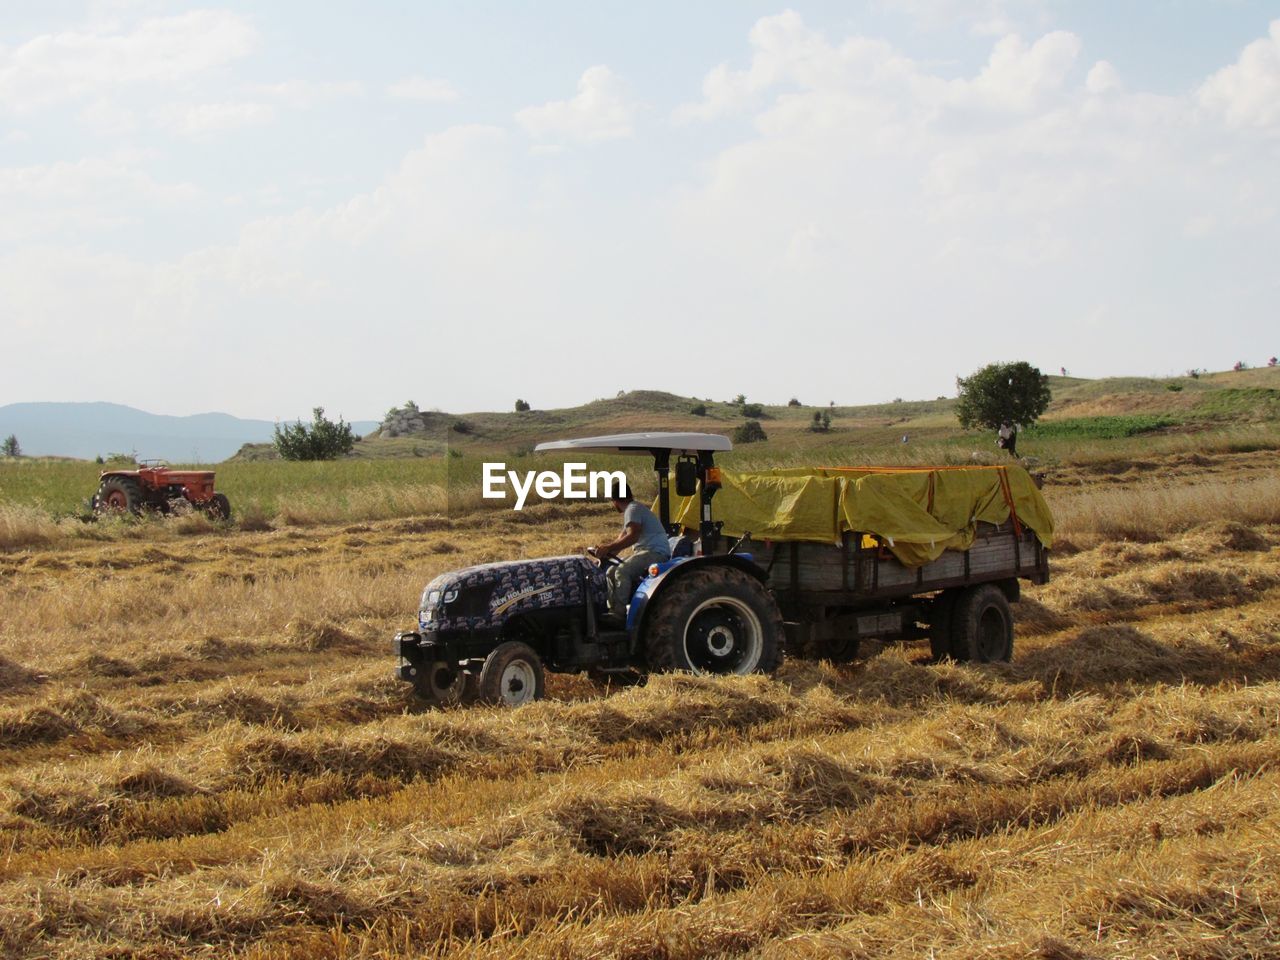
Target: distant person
1007	438
1063	371
1271	362
1239	365
905	438
641	531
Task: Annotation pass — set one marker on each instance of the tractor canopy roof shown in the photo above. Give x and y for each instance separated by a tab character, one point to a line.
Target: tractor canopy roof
642	442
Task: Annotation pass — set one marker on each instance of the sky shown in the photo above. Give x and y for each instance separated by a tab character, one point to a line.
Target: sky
262	208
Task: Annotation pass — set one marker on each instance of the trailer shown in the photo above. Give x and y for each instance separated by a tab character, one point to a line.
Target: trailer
799	562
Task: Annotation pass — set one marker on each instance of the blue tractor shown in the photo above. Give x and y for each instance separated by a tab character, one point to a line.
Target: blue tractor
489	632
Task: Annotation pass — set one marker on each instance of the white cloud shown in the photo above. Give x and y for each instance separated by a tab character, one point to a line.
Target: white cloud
598	112
989	18
203	120
424	89
1247	93
784	50
76	199
302	94
1102	78
58	67
789	56
1017	76
1010	193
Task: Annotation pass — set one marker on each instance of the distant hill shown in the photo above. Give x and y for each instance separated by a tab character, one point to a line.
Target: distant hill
1080	407
87	430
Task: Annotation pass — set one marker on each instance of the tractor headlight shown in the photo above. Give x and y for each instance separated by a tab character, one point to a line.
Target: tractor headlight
450	595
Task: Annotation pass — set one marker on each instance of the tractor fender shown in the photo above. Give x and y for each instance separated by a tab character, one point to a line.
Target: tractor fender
668	572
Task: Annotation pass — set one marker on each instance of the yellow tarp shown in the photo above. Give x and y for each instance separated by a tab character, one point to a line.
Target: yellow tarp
917	512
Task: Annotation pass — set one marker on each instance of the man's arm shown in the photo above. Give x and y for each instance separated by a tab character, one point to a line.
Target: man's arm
630	534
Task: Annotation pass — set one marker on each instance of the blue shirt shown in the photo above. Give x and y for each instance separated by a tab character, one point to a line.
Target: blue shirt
652	539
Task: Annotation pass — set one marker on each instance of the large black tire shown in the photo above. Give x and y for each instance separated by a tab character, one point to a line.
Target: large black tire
119	495
219	507
441	685
982	625
512	675
941	615
715	620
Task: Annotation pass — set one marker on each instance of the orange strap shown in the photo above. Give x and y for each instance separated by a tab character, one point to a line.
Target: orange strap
1008	499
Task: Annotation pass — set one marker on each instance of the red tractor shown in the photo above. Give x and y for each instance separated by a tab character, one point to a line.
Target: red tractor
156	486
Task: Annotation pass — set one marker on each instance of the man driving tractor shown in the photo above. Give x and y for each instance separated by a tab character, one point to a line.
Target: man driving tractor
641	531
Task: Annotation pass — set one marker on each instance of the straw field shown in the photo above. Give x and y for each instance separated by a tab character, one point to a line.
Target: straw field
203	753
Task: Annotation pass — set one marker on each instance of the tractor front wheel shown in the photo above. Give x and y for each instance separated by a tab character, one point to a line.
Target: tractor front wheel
512	675
716	620
119	495
441	685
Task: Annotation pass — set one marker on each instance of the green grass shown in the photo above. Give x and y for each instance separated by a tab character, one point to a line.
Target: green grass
1247	403
1099	428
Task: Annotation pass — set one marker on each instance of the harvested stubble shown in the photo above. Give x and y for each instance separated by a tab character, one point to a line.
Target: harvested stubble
201	751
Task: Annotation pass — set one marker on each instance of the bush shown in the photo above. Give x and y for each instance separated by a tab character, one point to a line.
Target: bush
793	402
1173	387
699	410
821	422
752	410
323	440
750	432
460	426
521	406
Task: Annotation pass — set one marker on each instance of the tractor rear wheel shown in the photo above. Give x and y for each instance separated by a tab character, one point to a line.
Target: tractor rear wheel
716	620
512	675
441	685
218	507
118	495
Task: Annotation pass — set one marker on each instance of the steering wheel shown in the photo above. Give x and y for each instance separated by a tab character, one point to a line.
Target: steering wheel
608	560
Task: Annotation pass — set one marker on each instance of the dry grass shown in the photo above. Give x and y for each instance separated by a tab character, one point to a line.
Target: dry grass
202	752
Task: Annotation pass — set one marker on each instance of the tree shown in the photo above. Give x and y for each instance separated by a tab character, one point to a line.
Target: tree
10	447
750	432
521	406
740	399
1016	392
699	410
323	440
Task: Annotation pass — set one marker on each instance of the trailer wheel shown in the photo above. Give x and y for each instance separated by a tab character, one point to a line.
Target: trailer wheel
941	617
442	685
716	620
982	625
119	495
512	675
